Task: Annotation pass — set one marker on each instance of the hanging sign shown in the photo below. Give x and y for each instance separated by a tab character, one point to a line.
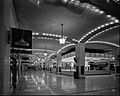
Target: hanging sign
21	39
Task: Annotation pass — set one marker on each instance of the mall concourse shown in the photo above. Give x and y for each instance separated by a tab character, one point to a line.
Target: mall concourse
59	47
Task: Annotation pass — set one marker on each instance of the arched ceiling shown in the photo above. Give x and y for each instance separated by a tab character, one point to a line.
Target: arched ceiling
46	18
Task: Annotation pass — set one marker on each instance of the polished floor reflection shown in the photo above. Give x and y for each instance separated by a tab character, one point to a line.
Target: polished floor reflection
43	82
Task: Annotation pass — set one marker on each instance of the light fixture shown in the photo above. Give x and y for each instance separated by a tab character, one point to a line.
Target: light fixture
45	53
62	39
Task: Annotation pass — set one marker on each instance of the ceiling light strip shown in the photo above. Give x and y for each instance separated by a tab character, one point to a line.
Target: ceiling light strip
101	32
51	55
94	30
65	47
103	42
53	35
42	50
46	38
33	49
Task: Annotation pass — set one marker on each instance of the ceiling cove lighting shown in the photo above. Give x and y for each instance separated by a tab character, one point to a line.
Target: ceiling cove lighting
101	32
35	33
113	18
33	49
103	42
51	55
87	6
99	27
117	1
75	40
65	47
92	8
46	38
52	35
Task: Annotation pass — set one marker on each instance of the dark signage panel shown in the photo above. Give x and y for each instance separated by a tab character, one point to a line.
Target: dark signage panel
21	38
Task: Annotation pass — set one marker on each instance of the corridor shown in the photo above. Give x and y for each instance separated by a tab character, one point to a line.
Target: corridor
46	83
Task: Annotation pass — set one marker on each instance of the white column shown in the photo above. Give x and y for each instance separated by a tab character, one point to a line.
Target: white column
80	56
58	62
50	64
19	62
117	62
4	47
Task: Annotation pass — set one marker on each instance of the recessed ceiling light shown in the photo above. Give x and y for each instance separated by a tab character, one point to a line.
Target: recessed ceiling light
101	12
98	27
102	25
50	34
37	33
107	24
111	22
97	10
33	33
38	2
60	36
91	31
57	36
53	35
113	18
116	21
95	29
44	34
108	16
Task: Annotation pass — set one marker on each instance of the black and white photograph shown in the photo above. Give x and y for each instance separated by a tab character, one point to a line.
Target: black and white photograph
60	47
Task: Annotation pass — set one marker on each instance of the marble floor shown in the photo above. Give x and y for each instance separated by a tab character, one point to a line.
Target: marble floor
46	83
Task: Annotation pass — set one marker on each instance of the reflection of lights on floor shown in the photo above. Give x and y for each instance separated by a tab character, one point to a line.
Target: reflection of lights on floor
38	88
30	90
42	81
43	75
32	76
36	83
31	86
113	90
37	77
25	78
